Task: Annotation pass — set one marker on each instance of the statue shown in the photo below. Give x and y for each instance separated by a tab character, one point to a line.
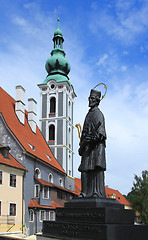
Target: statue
92	150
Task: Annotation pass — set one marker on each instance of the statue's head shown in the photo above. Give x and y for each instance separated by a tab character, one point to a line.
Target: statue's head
94	98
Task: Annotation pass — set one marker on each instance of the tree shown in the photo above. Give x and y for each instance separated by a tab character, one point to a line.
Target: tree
139	196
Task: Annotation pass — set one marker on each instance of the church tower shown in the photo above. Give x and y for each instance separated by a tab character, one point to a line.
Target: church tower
57	99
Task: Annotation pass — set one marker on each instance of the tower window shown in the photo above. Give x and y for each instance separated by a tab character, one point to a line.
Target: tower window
52	132
52	105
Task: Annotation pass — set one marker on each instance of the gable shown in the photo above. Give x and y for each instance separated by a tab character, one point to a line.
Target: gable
32	143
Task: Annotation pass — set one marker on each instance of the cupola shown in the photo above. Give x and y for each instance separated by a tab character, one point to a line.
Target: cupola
57	63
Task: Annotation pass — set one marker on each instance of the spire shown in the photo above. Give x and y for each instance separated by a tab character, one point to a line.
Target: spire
57	65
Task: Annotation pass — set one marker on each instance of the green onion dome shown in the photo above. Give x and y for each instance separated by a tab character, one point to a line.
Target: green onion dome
57	63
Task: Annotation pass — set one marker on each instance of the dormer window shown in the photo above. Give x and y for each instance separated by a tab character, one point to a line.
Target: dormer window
32	147
48	157
5	151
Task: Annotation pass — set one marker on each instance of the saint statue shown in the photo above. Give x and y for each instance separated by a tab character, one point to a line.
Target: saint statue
92	150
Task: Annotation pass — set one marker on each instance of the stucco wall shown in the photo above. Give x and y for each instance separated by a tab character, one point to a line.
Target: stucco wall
9	195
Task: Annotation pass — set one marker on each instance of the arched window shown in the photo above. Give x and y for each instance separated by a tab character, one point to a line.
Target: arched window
37	173
50	178
31	215
61	182
51	132
52	105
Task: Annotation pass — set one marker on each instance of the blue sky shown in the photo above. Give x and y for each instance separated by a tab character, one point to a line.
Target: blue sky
105	41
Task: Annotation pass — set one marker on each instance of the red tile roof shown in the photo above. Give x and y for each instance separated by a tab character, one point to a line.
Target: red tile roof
45	183
109	193
24	134
118	196
34	204
11	161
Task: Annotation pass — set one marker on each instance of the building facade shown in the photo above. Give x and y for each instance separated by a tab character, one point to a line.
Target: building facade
11	192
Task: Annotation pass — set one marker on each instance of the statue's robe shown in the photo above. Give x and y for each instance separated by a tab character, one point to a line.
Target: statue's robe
93	161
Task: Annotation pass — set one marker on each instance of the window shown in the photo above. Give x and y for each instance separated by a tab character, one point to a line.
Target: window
61	194
67	196
48	157
12	180
46	192
61	182
32	147
31	215
52	105
37	191
42	215
52	132
0	208
1	177
12	209
52	216
50	178
37	173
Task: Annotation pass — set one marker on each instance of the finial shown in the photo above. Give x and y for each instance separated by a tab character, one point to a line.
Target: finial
58	22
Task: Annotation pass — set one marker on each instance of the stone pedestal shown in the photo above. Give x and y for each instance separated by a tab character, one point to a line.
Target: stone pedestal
94	218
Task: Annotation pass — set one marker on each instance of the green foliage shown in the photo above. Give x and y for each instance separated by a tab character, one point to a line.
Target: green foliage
139	196
130	197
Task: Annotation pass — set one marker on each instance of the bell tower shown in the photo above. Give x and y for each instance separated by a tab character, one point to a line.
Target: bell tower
57	99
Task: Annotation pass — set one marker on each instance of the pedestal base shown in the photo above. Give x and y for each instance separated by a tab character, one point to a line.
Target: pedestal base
94	218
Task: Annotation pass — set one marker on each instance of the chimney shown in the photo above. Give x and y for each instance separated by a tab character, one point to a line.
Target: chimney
20	103
32	114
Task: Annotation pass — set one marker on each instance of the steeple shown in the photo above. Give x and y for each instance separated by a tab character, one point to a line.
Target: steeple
57	64
57	98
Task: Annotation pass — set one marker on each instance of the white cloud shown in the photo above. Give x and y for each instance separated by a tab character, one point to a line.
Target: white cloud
102	60
19	21
124	68
127	23
125	52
